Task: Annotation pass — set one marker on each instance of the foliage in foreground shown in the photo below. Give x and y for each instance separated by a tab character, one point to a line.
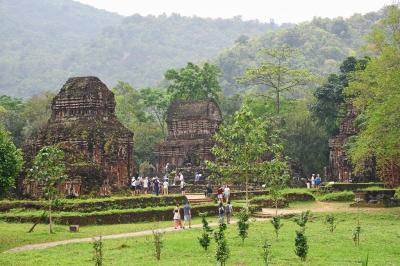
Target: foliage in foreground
266	254
222	251
277	224
338	196
330	220
301	246
48	170
98	252
243	224
205	238
11	162
157	243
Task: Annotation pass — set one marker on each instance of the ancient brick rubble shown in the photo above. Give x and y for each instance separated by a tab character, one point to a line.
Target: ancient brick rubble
191	126
99	149
340	168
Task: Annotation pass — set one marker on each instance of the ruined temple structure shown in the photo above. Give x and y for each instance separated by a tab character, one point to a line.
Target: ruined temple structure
98	148
340	168
191	126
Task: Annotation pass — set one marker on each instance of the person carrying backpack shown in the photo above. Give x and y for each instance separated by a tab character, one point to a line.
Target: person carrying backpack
221	213
228	211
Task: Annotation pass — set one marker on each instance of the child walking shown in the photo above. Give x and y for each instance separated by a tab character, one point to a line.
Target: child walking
177	217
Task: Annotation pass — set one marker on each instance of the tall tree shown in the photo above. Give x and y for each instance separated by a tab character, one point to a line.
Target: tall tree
329	106
156	102
376	95
194	82
10	162
48	170
276	74
241	150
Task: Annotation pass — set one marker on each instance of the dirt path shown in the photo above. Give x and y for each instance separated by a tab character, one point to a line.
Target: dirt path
89	239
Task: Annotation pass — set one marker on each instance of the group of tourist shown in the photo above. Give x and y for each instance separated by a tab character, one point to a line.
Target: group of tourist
313	182
223	193
145	185
187	216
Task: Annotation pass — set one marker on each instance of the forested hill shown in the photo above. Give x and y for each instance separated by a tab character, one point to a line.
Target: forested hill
323	44
38	38
43	42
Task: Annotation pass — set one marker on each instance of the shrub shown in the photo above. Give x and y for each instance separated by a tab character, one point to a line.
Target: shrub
330	221
205	238
339	196
268	201
266	252
158	243
222	251
243	224
98	252
302	219
397	194
277	224
301	246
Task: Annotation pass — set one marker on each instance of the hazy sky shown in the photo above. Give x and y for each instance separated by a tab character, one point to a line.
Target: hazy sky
280	10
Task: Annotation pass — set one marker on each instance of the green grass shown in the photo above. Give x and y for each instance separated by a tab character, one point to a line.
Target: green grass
338	196
380	238
15	234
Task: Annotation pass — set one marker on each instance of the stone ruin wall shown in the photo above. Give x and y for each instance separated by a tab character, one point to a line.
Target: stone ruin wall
190	127
340	168
98	148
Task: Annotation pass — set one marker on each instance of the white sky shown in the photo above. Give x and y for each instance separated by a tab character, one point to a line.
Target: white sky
279	10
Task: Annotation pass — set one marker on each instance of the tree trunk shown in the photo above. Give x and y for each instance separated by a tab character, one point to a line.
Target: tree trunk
50	216
278	103
247	192
276	207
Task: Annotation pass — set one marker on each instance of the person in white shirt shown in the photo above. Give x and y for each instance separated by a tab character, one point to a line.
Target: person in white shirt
165	187
183	188
133	185
227	192
146	185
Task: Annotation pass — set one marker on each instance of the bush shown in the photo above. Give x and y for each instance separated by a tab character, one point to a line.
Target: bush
302	219
98	252
339	196
277	224
205	238
301	246
397	194
243	225
158	243
266	252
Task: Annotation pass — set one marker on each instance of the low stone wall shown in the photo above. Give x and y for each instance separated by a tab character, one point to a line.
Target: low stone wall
376	198
298	196
113	218
350	186
92	205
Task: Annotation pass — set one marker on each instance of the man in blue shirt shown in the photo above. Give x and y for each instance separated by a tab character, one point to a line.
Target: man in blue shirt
187	215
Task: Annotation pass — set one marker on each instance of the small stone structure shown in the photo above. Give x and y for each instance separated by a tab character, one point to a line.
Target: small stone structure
98	148
191	125
340	168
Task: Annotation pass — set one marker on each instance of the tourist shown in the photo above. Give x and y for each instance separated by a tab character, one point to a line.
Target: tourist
208	190
183	188
220	193
187	215
177	217
138	185
165	187
308	183
221	213
227	193
156	186
313	180
176	178
146	185
228	211
181	178
317	181
133	186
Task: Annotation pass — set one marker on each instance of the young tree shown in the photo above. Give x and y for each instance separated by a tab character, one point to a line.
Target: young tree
11	162
243	224
266	252
222	251
241	147
98	252
301	246
275	73
48	170
302	219
205	238
158	243
193	82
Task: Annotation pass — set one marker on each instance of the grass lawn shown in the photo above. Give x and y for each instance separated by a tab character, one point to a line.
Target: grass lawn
380	239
